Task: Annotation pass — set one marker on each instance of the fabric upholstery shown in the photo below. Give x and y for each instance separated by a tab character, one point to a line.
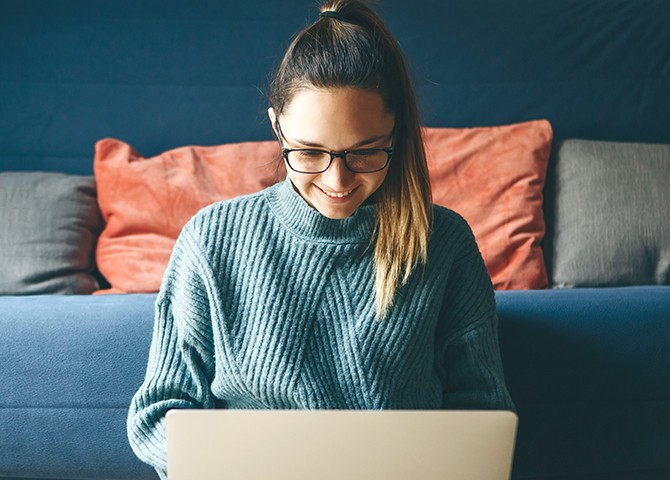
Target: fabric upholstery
590	366
494	177
612	217
70	365
145	202
195	74
577	364
49	223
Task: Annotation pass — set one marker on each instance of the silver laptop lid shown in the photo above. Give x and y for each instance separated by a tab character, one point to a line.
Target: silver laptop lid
340	444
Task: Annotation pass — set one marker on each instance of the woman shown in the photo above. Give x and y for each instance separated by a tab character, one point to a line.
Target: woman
342	287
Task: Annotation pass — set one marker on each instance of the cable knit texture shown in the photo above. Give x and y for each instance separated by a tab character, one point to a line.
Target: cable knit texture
266	304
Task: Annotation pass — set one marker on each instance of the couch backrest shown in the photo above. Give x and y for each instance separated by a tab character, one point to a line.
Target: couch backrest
164	74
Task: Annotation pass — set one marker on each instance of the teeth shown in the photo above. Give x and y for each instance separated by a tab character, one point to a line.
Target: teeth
335	194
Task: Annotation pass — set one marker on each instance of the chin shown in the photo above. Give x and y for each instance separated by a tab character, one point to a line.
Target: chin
336	213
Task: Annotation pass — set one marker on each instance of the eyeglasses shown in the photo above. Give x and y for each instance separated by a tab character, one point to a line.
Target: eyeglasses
312	160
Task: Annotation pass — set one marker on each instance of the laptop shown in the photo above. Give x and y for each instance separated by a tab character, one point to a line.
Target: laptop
340	444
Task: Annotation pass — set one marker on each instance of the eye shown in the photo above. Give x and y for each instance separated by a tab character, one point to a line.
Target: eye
365	153
310	154
367	156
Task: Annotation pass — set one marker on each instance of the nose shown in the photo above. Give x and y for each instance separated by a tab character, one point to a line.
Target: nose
338	177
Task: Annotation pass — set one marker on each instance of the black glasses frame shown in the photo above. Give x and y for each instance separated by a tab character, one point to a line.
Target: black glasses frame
343	155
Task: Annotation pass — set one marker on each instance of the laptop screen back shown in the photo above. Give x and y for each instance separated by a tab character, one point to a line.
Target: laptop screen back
340	444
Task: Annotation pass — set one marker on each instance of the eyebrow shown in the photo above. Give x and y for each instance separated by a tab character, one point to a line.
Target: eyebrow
359	144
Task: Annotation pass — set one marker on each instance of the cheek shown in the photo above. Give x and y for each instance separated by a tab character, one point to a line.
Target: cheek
300	180
376	179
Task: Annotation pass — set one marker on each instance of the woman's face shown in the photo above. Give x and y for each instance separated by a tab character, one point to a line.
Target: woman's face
336	120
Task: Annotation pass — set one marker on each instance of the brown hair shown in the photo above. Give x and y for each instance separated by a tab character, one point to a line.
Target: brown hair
353	48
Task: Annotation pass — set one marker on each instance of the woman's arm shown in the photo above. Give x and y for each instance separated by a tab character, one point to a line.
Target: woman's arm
181	358
468	352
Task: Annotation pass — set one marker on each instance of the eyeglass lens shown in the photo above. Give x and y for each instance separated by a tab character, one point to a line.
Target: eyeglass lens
317	161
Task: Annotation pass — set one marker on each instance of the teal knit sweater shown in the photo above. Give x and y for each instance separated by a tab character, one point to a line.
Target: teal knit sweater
266	303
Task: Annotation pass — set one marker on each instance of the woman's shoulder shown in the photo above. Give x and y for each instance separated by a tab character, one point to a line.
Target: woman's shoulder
451	232
236	206
225	217
446	219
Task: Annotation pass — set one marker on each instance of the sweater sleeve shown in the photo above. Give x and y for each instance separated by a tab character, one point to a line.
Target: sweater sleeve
468	352
181	358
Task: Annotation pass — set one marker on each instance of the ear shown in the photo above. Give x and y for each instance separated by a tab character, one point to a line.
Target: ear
273	120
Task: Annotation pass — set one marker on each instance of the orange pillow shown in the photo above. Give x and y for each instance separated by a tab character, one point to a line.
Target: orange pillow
493	177
145	202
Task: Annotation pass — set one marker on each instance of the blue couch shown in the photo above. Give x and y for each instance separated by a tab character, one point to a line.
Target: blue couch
589	369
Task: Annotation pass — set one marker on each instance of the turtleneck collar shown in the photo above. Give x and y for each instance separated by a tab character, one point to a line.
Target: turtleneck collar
304	221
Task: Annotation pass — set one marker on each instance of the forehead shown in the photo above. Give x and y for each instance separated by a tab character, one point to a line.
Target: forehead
339	116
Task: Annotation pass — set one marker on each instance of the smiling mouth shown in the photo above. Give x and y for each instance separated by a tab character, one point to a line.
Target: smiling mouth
336	194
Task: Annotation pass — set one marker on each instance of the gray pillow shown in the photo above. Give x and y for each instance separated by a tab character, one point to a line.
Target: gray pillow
612	225
49	223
